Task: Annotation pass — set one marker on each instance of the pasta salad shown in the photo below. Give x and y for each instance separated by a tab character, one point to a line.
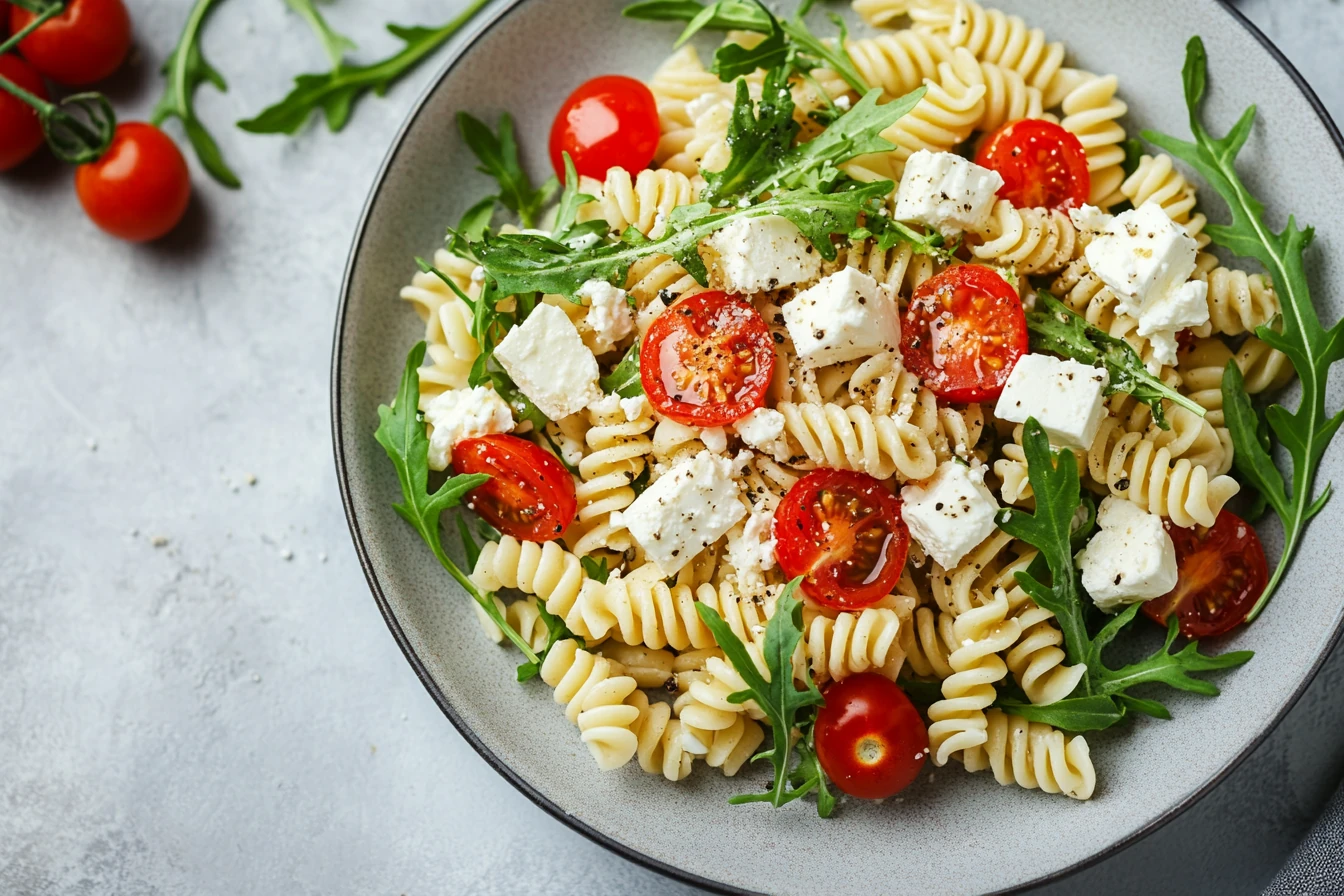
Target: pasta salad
842	399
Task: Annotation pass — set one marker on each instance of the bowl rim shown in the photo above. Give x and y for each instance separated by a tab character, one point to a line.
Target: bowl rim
459	47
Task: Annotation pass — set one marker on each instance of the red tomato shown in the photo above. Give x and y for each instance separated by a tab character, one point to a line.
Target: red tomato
530	494
609	122
85	43
869	737
963	332
707	360
140	188
1042	165
20	128
1222	574
842	531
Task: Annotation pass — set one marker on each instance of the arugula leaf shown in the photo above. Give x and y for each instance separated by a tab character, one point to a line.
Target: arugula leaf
186	69
334	92
1056	328
1311	347
774	691
732	60
729	15
556	631
924	693
333	44
1054	480
595	569
498	156
814	53
624	378
472	227
1091	713
809	774
402	435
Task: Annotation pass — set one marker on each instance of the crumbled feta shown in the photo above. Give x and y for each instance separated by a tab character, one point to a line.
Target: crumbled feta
763	430
1090	221
1066	398
753	553
648	314
478	274
946	192
754	255
950	513
714	438
583	241
634	408
609	314
1131	558
549	363
842	102
459	414
1185	306
687	509
844	317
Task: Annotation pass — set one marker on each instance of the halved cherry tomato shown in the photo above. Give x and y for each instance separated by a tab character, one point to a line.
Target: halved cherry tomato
20	128
85	43
1042	165
1222	574
963	331
530	494
842	531
611	121
869	737
707	360
140	188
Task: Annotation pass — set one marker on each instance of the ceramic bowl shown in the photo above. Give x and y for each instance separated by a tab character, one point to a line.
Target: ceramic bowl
952	832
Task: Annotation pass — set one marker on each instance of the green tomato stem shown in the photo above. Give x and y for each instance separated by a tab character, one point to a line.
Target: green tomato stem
44	13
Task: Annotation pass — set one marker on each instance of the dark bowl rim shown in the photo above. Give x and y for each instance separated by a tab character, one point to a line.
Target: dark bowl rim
459	48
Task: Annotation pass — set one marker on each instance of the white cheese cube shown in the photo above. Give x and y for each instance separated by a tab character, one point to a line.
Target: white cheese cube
609	314
763	254
950	513
1131	558
1142	255
844	317
463	414
763	430
687	509
946	192
550	364
1066	398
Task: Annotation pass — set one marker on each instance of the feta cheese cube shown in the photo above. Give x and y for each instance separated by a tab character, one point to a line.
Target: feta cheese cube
950	513
763	430
1130	559
459	414
687	509
754	255
1064	396
946	192
550	364
844	317
609	314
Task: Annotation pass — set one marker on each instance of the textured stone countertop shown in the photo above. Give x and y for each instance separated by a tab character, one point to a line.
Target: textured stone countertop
197	694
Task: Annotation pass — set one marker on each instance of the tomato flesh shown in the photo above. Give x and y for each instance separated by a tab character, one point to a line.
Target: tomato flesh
707	360
85	43
530	494
962	333
1042	164
611	121
870	739
20	129
1222	573
842	532
140	188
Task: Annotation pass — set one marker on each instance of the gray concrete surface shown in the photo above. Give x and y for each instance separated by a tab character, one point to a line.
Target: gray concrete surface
197	694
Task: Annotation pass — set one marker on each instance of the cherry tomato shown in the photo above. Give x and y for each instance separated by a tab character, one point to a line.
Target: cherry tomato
707	360
84	44
530	494
842	531
1042	165
20	128
610	122
1222	574
963	331
870	739
140	188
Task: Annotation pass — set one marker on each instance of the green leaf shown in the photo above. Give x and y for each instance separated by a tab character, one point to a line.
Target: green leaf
570	201
556	631
185	69
475	221
402	435
334	92
757	140
1310	346
815	53
924	693
731	15
1251	454
1171	669
1055	328
1092	713
333	44
595	569
624	378
498	156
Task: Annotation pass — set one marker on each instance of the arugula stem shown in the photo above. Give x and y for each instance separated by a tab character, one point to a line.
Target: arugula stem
402	62
181	62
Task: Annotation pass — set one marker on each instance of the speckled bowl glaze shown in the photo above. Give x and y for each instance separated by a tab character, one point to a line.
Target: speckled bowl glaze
952	832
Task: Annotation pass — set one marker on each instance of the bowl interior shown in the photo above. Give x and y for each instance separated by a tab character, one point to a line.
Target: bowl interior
952	832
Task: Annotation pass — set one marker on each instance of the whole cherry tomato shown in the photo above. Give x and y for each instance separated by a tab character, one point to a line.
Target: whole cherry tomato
610	122
530	494
84	44
140	188
20	128
869	737
1222	573
1042	165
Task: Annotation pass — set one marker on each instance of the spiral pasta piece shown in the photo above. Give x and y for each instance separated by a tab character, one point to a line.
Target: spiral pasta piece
643	609
1156	179
849	643
1201	368
650	667
957	590
928	643
996	37
673	441
594	693
659	739
658	275
678	82
1036	659
1194	438
879	13
1263	368
1239	302
617	450
450	348
1091	111
900	61
1033	755
958	720
644	202
1030	240
853	439
546	570
1008	97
